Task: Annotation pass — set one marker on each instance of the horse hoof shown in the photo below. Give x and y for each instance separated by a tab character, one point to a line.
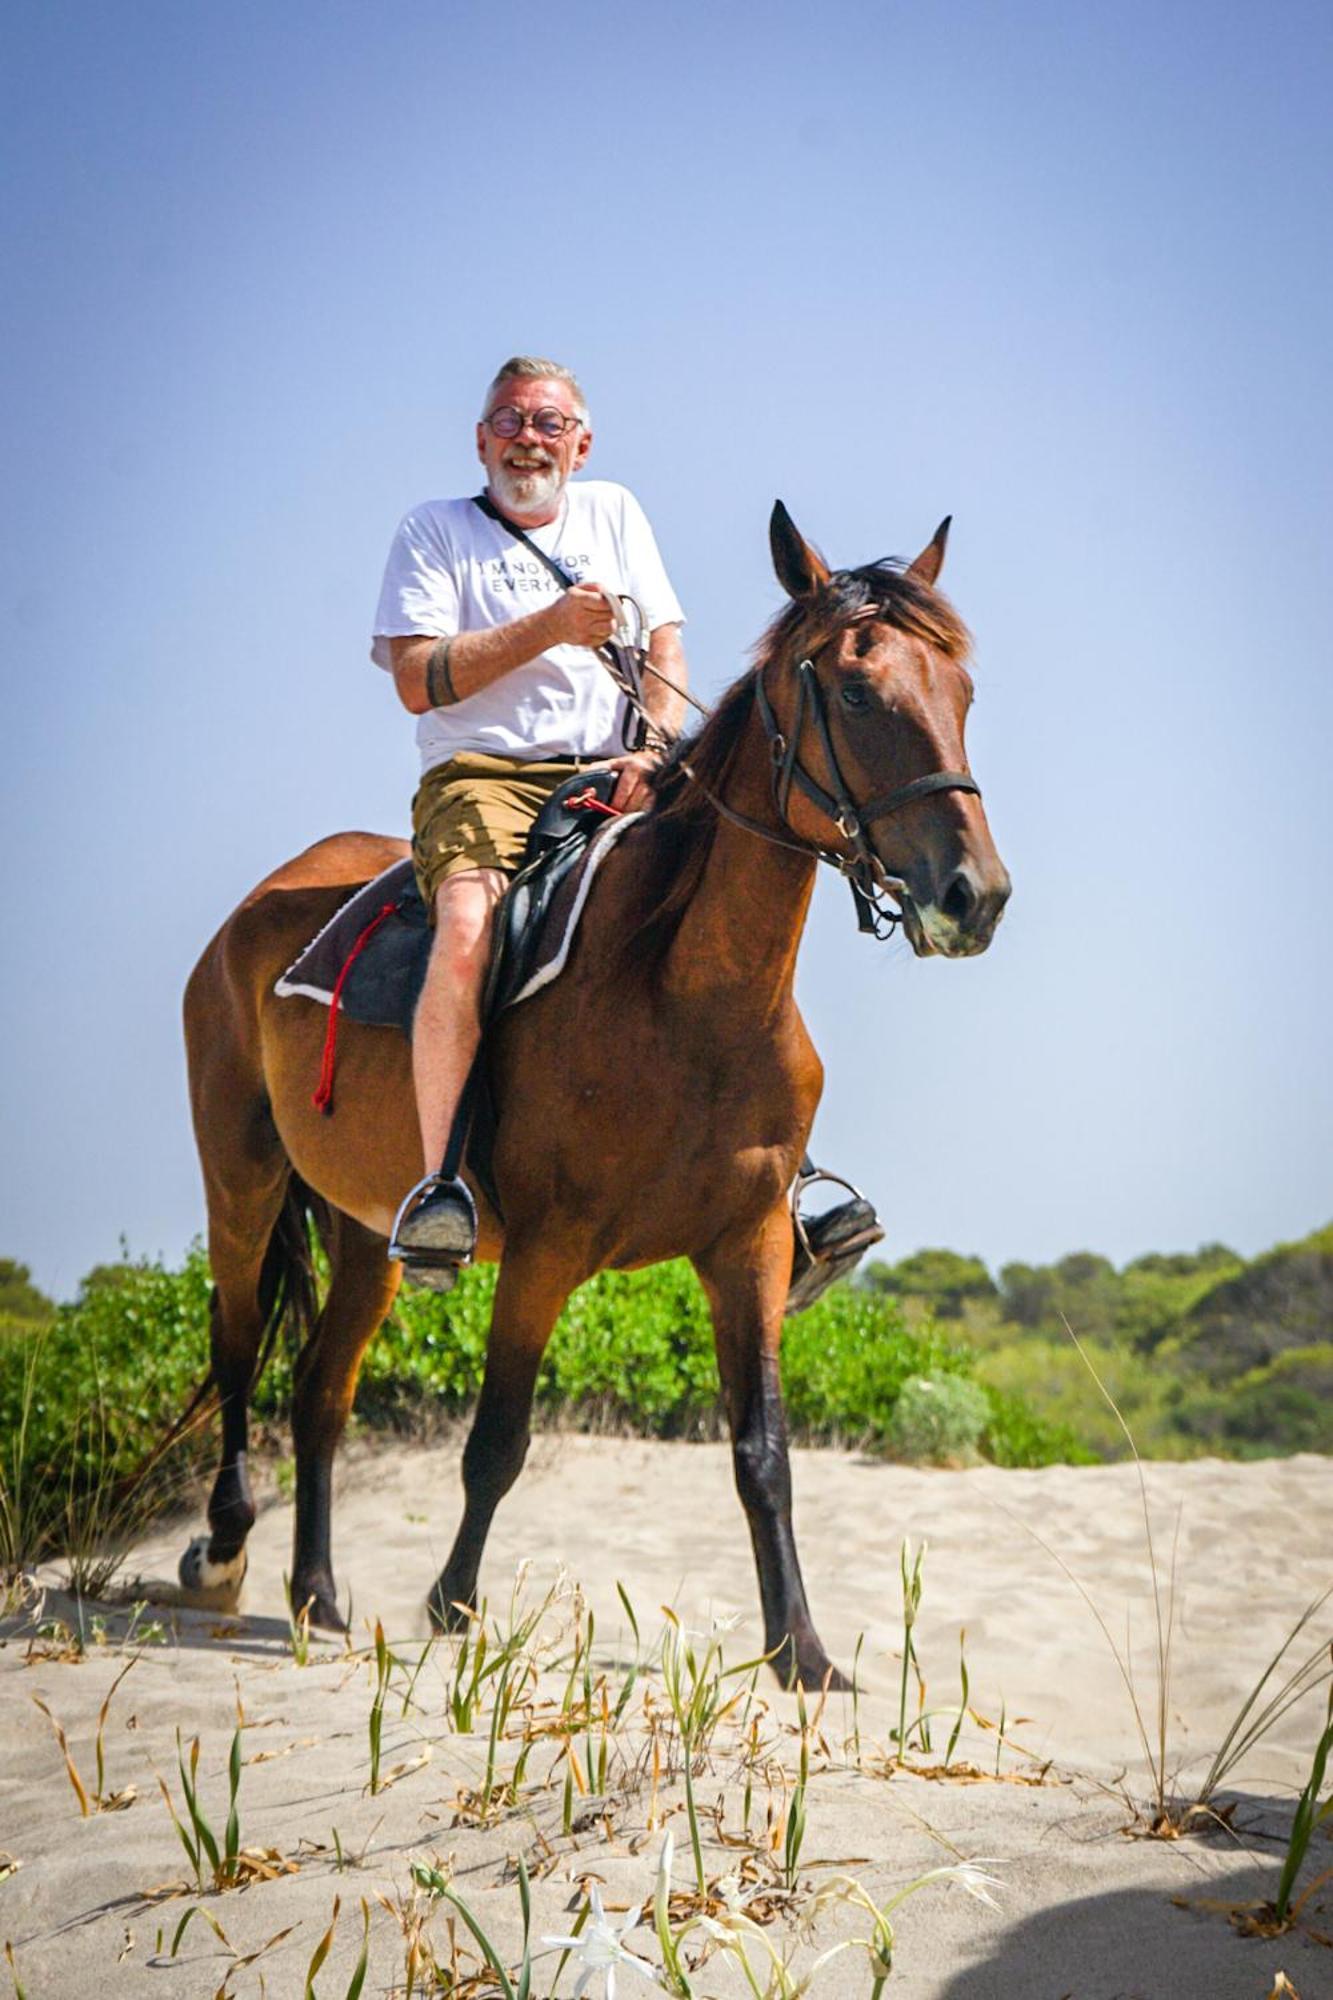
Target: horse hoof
213	1586
811	1669
817	1677
445	1613
319	1604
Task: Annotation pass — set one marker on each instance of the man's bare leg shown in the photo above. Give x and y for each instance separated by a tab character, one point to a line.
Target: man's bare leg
440	1222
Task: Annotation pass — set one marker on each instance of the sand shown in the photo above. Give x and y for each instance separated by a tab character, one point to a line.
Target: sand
1089	1908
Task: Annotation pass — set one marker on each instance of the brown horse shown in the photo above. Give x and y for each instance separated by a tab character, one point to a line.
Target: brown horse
654	1102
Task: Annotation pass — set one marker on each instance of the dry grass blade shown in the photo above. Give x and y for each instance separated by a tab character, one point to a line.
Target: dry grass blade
1241	1738
1164	1637
20	1991
321	1951
71	1768
1122	1664
405	1769
198	1910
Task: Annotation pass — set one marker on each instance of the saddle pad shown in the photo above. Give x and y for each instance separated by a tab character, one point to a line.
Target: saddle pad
535	928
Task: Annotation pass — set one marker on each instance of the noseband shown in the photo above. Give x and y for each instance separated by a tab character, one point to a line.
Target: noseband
865	872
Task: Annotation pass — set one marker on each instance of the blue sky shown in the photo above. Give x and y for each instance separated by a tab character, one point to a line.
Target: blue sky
1062	272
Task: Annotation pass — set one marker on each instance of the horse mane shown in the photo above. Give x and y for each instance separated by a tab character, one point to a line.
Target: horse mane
679	831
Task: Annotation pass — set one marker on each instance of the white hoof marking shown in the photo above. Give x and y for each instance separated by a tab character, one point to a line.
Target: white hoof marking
218	1582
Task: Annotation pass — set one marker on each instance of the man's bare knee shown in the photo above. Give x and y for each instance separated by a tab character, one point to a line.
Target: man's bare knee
464	910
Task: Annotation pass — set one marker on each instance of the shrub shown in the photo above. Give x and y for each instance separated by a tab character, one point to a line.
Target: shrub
938	1419
84	1401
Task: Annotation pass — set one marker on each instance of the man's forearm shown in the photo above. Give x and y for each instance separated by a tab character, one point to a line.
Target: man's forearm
475	659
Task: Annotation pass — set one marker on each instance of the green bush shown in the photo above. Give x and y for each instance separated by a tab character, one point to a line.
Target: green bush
938	1420
630	1351
1284	1406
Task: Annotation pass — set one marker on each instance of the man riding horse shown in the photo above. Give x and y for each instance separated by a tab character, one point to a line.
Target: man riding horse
490	618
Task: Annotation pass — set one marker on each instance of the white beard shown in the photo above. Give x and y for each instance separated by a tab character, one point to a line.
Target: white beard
522	492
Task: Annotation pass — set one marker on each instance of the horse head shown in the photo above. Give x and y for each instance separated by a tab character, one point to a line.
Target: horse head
870	714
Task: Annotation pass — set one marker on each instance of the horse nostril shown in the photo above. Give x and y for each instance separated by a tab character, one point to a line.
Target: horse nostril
959	898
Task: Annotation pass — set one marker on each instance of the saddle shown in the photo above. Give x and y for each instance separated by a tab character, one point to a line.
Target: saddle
369	961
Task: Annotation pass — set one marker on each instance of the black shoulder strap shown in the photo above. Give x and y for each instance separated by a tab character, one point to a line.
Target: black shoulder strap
623	661
488	507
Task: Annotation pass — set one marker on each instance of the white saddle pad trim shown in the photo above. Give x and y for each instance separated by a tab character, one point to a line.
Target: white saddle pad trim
367	893
372	895
598	848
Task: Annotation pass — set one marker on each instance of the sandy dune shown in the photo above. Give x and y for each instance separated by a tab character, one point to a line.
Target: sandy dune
1087	1911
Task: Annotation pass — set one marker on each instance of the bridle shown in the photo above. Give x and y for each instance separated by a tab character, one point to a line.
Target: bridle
869	881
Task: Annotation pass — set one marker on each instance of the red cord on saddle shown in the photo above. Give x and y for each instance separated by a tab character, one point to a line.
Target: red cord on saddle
589	802
323	1097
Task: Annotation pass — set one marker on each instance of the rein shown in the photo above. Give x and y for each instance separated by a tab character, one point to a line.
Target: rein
864	871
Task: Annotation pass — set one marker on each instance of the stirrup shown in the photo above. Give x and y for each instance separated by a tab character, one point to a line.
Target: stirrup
445	1218
829	1246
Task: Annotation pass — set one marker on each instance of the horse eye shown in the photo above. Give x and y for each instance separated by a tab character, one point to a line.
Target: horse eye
855	694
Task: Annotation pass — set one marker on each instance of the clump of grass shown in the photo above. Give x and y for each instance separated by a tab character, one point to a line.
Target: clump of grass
384	1662
694	1690
912	1584
1171	1815
1310	1813
68	1499
795	1829
100	1800
517	1987
229	1865
1251	1724
200	1842
730	1923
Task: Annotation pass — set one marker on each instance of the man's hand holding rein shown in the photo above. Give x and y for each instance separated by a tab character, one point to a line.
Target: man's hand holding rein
583	616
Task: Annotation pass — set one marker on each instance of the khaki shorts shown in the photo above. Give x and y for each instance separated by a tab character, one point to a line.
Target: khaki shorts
476	812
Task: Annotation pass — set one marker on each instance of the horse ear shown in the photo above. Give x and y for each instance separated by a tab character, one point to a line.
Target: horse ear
931	559
801	569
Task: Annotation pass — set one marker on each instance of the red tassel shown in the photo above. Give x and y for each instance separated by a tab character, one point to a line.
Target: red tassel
323	1097
589	802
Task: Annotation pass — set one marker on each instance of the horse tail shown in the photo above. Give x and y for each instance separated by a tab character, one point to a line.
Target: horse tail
288	1300
288	1282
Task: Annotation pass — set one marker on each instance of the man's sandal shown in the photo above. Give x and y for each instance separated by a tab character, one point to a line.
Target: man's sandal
435	1232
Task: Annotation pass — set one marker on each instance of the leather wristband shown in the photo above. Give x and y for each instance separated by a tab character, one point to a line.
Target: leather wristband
440	689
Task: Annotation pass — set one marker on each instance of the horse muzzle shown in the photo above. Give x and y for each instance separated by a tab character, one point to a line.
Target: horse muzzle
957	919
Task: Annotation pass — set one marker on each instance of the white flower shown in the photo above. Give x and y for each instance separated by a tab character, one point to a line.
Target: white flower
600	1947
972	1878
662	1886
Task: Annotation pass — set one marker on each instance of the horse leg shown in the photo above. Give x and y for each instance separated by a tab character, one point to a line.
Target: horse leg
528	1297
746	1282
361	1291
241	1224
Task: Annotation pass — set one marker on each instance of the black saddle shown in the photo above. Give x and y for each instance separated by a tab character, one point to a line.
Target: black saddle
373	953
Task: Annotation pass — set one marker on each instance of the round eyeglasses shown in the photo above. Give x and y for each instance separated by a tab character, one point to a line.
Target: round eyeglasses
508	422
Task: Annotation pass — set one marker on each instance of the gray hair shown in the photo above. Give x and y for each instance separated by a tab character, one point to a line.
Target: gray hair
534	368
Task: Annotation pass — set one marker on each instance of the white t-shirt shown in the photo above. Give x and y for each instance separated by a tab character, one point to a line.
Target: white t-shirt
452	569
